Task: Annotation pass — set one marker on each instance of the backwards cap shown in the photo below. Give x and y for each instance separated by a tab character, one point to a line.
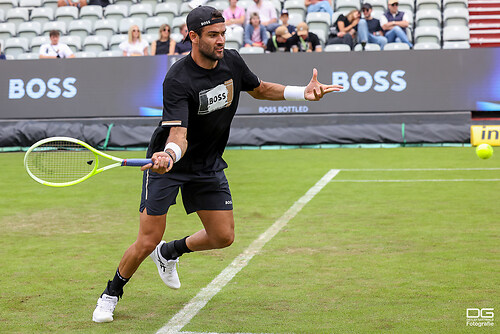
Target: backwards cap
200	17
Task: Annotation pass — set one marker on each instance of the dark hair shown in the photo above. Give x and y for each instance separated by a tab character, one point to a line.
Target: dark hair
216	14
54	33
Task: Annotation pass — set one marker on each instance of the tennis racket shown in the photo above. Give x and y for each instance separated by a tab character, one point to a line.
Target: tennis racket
64	161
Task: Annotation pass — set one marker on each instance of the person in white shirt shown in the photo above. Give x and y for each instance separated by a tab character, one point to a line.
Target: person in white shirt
54	49
267	14
135	45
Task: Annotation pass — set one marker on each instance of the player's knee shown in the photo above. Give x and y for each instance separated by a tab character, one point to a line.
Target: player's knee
225	240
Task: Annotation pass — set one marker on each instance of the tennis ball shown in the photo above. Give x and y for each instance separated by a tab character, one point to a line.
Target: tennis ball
484	151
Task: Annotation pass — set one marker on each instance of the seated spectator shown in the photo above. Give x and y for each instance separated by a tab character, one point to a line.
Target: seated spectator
277	42
395	23
2	56
255	32
235	17
102	3
164	45
303	40
76	3
344	29
134	45
54	49
369	29
267	14
284	21
319	6
183	47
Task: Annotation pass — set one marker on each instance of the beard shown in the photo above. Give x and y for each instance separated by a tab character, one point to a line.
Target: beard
209	52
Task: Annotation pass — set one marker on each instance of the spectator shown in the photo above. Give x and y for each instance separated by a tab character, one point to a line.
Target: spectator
325	6
164	45
284	21
255	32
76	3
54	49
344	29
134	45
235	17
102	3
395	23
183	47
2	56
267	14
277	43
369	29
303	40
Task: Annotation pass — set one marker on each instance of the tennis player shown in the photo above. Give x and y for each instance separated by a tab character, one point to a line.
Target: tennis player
200	96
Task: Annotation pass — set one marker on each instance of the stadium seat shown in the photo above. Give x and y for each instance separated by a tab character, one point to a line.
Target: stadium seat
126	3
54	25
7	30
219	4
152	24
407	6
2	15
5	5
378	5
28	55
17	15
15	46
37	41
52	4
428	18
319	21
184	9
345	6
456	17
42	15
167	9
126	23
296	18
396	46
321	33
456	45
30	3
456	33
91	13
177	22
140	10
74	42
234	38
81	28
111	53
95	43
368	47
66	14
295	7
428	35
153	3
106	27
244	3
29	29
426	46
455	4
115	41
251	49
85	54
116	12
337	48
428	4
176	37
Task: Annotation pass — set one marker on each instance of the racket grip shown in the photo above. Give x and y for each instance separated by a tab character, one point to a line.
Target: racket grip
136	162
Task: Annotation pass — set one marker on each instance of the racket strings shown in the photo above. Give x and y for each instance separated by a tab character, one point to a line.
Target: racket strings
61	161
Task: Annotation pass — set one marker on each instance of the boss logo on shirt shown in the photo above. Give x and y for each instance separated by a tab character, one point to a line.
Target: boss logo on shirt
216	98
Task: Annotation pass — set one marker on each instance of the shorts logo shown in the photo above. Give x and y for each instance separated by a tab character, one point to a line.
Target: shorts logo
216	98
229	202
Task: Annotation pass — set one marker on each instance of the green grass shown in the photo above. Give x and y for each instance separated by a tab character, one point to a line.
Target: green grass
359	258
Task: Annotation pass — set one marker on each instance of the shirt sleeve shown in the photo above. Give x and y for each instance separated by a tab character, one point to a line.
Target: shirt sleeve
249	81
175	103
383	20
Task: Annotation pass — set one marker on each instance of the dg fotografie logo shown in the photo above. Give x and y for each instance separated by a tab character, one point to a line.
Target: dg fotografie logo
480	317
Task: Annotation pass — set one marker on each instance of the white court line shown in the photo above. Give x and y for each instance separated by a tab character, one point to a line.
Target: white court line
416	169
422	180
184	316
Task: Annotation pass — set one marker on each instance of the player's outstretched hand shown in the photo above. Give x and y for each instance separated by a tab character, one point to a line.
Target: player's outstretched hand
162	163
316	90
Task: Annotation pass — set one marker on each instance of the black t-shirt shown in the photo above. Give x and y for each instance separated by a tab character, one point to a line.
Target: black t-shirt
271	46
182	47
303	44
373	25
204	101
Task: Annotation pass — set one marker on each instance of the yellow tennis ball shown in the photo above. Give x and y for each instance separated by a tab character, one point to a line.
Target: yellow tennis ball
484	151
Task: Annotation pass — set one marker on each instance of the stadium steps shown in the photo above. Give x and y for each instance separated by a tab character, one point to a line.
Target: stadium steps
484	23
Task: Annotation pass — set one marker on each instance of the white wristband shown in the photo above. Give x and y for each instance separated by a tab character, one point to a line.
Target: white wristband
294	93
177	150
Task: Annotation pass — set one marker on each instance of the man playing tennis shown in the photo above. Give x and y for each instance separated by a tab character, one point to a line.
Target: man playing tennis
200	96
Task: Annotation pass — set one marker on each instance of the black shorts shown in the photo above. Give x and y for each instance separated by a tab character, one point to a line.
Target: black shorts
200	191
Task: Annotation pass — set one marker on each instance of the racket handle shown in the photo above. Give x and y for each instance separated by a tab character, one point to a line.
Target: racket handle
136	162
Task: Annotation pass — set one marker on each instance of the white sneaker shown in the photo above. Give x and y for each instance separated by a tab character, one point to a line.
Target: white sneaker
105	307
166	268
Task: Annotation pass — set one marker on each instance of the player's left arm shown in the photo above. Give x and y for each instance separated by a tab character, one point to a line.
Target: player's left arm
314	91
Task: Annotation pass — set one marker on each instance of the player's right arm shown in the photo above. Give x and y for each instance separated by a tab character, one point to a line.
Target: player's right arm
163	161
